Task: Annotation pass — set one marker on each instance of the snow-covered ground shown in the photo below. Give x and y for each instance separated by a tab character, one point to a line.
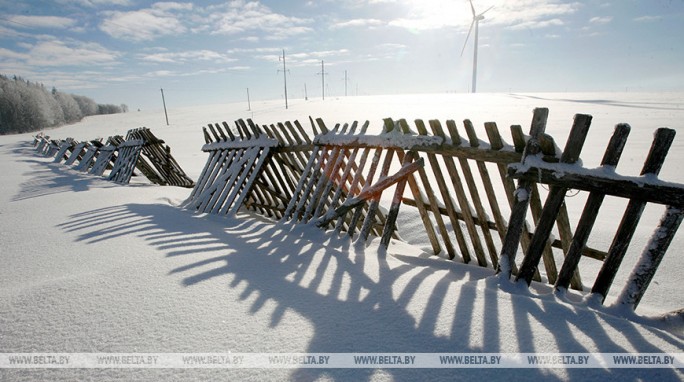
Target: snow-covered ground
91	266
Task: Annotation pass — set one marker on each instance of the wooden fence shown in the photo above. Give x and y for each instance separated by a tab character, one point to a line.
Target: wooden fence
279	171
566	175
140	149
461	186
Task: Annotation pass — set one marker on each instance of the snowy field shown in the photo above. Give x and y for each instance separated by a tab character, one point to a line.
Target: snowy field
91	266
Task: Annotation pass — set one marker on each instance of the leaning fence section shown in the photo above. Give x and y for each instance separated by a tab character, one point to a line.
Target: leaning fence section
120	156
339	187
598	183
232	170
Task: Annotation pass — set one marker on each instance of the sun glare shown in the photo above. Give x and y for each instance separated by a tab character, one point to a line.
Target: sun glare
439	12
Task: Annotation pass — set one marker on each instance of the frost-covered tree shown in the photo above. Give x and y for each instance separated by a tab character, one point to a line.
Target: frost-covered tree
27	106
87	105
72	112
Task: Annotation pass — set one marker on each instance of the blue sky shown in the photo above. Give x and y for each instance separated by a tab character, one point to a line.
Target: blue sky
124	51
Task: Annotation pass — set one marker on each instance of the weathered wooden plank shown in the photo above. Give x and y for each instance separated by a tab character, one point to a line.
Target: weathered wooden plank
91	152
252	171
375	201
390	224
593	180
553	203
207	199
451	209
238	170
522	199
492	130
650	259
217	163
370	192
298	199
302	133
369	180
129	152
446	197
324	177
358	174
462	197
228	130
618	248
65	145
289	169
346	174
586	222
76	153
474	193
103	160
332	173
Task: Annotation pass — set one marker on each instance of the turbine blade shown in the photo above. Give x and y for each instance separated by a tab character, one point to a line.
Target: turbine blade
486	10
472	8
467	37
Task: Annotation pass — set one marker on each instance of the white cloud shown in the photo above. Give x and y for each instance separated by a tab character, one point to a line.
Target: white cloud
537	24
188	56
254	50
392	46
12	55
239	17
41	21
358	23
648	19
97	3
145	24
601	20
172	6
161	73
54	52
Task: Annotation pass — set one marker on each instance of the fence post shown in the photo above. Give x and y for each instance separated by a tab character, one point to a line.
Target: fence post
555	199
522	198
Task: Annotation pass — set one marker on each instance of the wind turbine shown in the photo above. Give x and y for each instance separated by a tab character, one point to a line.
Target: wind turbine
476	22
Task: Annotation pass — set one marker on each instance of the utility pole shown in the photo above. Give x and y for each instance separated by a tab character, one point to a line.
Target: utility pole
249	105
306	97
284	76
345	83
164	102
323	73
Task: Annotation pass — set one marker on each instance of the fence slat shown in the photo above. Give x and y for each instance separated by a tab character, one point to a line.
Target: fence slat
650	259
522	199
452	212
477	201
591	209
618	248
443	190
556	197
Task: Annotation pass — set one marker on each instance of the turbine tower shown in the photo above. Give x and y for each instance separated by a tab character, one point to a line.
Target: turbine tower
476	22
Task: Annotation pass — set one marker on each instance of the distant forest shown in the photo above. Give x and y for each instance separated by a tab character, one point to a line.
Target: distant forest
28	106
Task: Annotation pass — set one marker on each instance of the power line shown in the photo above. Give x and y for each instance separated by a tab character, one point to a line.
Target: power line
284	75
322	74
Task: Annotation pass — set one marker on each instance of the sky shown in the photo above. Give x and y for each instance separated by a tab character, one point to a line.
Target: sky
208	52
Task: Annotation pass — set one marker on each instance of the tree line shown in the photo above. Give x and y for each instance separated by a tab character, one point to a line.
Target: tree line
28	106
